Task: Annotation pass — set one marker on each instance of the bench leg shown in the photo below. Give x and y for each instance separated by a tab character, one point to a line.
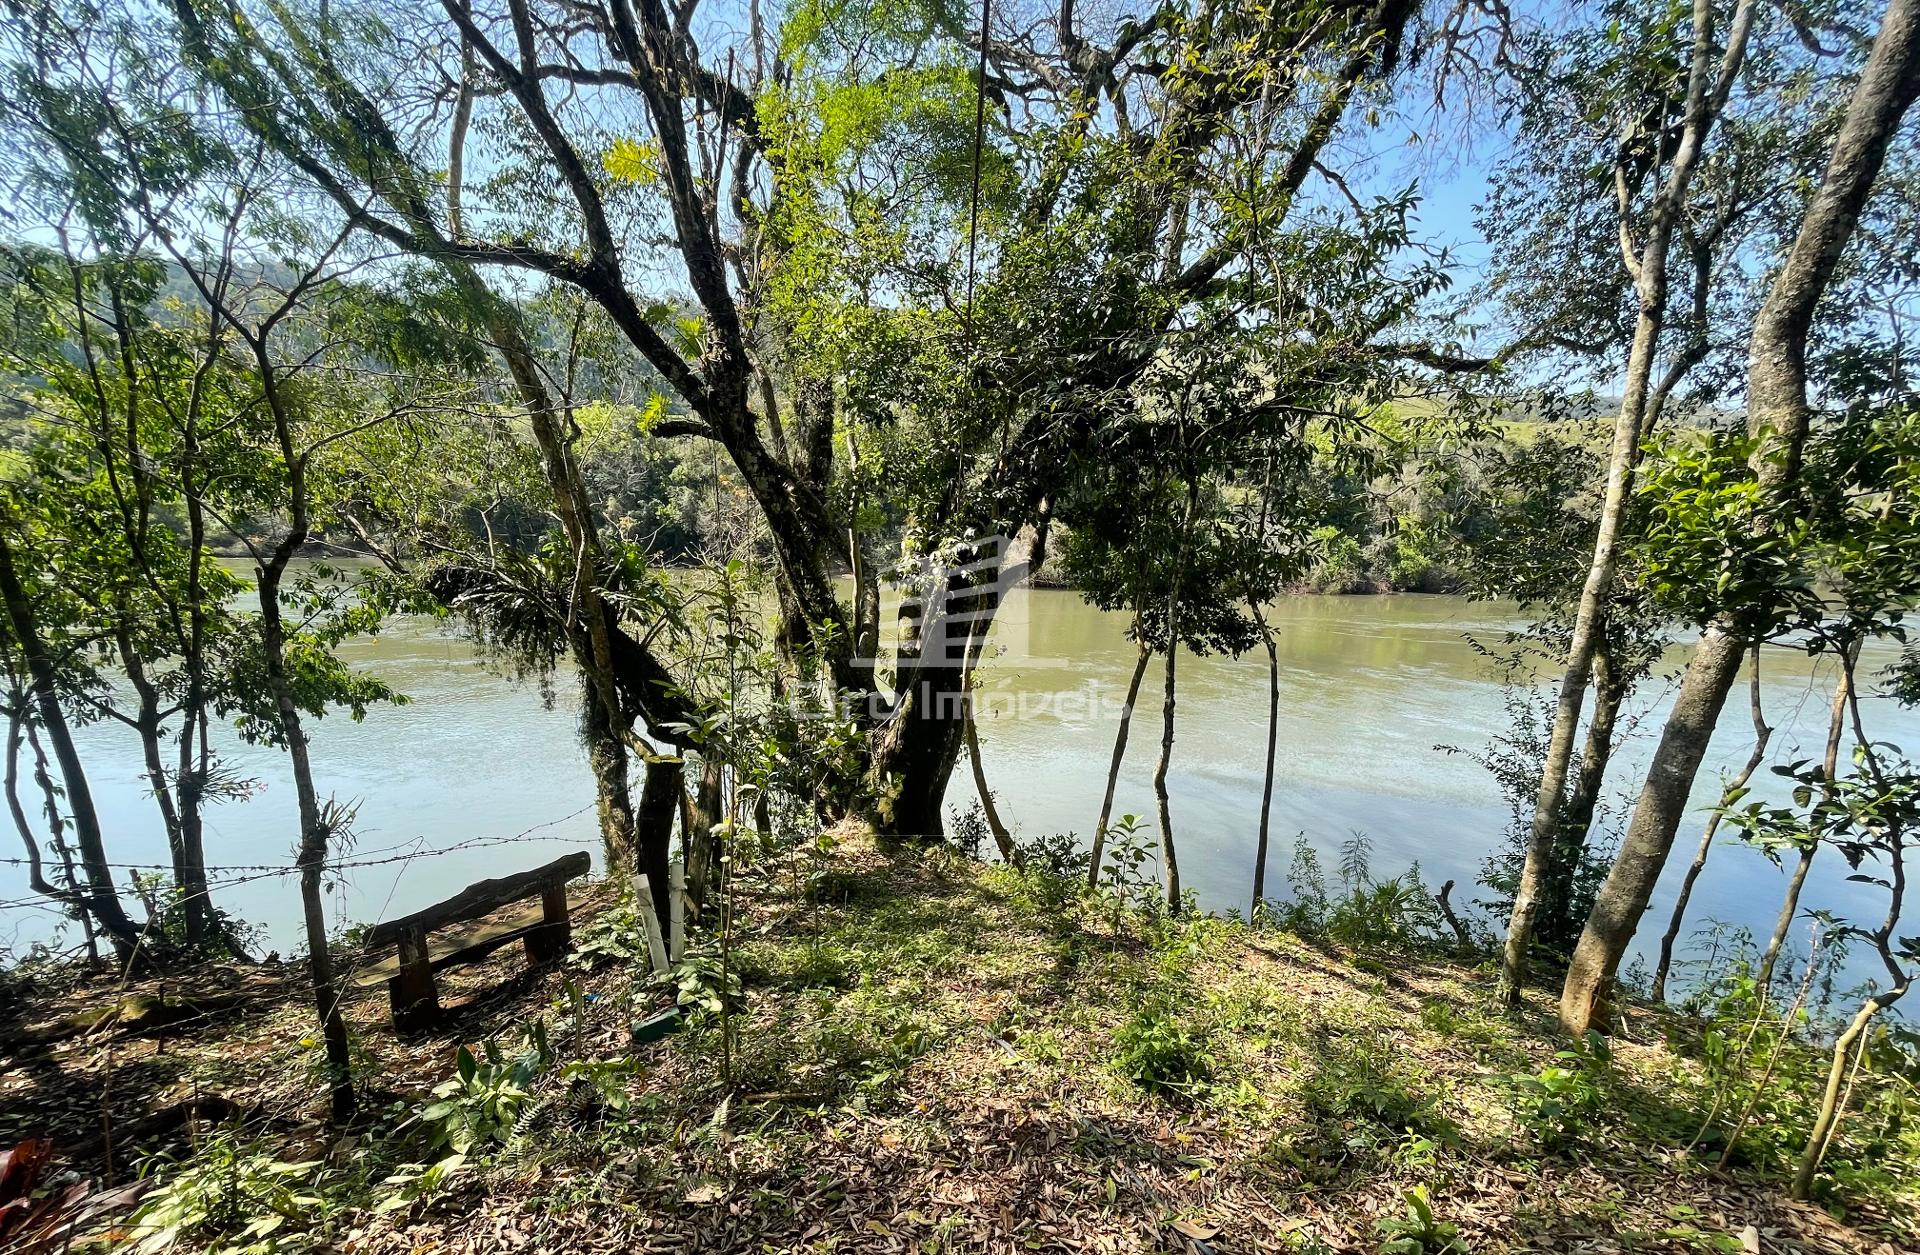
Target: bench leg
550	941
413	995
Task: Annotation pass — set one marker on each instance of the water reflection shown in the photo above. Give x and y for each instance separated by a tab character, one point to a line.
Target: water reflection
1369	687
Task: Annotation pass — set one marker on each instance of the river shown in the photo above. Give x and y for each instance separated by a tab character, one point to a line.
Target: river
1371	687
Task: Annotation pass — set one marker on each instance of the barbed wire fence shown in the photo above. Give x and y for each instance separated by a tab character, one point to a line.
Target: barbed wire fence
293	976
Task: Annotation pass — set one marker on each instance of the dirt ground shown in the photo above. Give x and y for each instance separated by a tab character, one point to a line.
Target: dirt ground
928	1055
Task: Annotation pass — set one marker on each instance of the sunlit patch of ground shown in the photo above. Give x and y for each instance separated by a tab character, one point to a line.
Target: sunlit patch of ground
932	1055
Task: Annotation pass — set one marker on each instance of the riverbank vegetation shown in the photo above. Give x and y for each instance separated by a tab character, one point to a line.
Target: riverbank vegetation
924	1052
538	305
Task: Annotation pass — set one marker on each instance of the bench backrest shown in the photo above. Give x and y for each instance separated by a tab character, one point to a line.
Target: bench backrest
479	899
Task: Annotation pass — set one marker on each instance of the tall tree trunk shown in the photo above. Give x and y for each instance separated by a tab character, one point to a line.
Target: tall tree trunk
146	724
314	834
920	734
1609	693
457	140
866	581
1829	769
914	755
661	787
1143	655
919	740
1629	885
1778	417
590	620
190	781
69	877
1706	95
1169	864
1002	839
613	791
36	873
1761	735
315	826
194	760
102	900
1583	800
698	815
1273	741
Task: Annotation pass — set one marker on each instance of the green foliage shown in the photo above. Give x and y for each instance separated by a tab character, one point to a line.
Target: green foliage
480	1102
230	1196
1578	860
1719	543
1394	914
1159	1049
1716	541
1127	871
1558	1103
607	1079
167	920
1752	1065
1418	1231
412	1182
327	605
967	831
1359	1086
701	982
1341	568
1861	814
615	935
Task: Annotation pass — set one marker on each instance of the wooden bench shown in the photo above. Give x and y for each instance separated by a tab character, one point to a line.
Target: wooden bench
408	972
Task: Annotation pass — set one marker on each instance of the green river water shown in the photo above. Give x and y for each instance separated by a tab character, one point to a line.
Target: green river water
1370	687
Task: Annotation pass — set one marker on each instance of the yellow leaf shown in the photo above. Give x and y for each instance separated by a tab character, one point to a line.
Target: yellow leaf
632	161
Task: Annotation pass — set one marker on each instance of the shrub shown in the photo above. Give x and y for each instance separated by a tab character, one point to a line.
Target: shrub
1397	913
1419	1232
1559	1102
1162	1053
968	832
481	1101
229	1196
616	935
1363	1085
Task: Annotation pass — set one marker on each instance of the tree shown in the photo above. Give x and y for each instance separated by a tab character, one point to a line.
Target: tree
1779	417
124	383
40	664
1734	790
1112	205
1644	164
1527	521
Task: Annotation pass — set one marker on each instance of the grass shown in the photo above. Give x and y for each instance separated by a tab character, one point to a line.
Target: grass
934	1055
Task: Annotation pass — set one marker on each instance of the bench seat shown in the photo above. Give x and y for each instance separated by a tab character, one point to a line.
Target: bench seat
463	945
463	930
